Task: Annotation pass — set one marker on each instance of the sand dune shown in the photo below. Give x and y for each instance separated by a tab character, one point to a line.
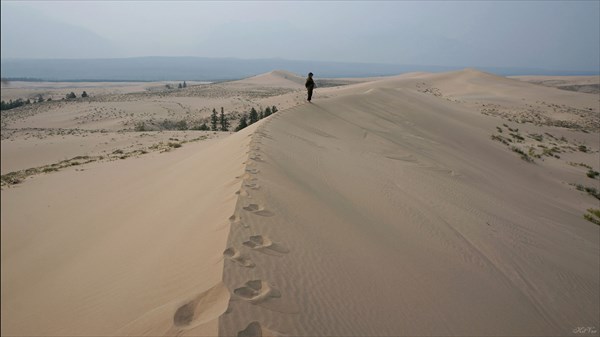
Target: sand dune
276	78
400	216
391	206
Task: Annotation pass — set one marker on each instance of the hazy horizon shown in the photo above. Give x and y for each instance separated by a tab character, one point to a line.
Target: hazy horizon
552	35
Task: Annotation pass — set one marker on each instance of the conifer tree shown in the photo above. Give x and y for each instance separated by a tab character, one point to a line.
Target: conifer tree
243	123
223	121
261	114
184	84
84	94
268	111
180	86
274	110
214	119
253	118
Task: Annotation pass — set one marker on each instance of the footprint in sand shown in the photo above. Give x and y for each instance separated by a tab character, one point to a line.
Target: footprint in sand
253	186
258	210
252	171
234	255
235	220
265	245
242	192
246	177
255	329
204	307
256	158
257	291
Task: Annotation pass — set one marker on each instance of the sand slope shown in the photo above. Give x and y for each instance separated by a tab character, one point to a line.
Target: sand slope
130	247
388	210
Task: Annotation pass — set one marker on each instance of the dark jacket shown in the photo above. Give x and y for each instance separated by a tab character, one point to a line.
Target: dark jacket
310	84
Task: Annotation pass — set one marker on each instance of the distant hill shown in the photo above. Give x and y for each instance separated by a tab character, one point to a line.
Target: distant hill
213	69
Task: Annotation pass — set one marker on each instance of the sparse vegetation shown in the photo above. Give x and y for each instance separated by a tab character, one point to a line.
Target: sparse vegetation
580	164
582	148
536	136
12	104
593	215
170	125
202	127
18	177
590	190
140	126
518	137
501	139
524	155
592	174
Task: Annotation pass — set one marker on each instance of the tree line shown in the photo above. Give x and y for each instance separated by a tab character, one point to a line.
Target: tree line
254	116
216	121
20	102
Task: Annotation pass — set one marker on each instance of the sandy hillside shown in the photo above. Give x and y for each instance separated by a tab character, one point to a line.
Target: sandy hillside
418	204
129	247
390	210
587	84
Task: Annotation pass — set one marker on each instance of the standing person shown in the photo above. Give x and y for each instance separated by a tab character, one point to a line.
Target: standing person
310	85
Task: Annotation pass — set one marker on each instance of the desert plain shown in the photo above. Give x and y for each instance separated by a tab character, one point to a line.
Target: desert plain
423	204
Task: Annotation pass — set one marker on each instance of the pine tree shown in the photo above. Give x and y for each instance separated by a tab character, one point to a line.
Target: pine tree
180	86
184	84
84	94
203	127
223	121
253	118
261	114
40	99
214	119
243	123
268	111
274	110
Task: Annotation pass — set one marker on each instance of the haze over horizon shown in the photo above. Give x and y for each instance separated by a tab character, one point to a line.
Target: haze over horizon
554	35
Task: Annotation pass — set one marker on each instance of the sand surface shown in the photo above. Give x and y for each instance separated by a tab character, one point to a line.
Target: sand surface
389	206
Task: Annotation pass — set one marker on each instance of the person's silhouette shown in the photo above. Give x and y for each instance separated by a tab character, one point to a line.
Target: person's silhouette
310	85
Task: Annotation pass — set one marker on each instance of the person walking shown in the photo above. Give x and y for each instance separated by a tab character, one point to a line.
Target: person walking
310	85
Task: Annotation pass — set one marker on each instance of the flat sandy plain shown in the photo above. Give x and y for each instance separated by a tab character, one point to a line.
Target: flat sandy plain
419	204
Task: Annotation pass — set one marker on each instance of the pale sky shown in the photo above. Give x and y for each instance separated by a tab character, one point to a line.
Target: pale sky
537	34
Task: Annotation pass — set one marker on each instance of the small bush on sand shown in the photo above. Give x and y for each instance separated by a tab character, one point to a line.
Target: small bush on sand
593	215
592	174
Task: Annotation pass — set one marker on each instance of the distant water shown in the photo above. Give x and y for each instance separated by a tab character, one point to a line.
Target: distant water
216	69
